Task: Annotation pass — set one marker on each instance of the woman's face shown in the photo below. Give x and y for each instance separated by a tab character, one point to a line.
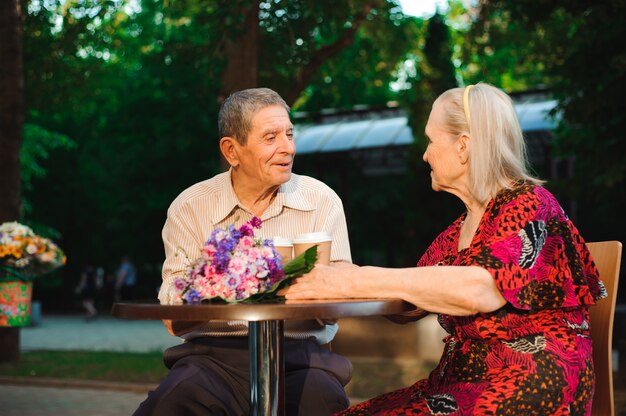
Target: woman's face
443	153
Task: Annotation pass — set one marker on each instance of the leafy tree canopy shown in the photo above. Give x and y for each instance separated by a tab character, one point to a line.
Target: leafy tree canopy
574	48
131	92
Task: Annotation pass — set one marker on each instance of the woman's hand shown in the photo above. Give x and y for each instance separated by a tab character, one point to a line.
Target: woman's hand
323	282
451	290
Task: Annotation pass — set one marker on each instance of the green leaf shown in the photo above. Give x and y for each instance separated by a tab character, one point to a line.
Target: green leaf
300	265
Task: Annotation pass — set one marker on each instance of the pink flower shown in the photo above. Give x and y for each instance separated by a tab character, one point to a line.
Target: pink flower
255	253
209	250
268	252
246	242
237	265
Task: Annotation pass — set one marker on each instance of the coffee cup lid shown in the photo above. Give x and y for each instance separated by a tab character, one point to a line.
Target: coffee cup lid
282	242
317	237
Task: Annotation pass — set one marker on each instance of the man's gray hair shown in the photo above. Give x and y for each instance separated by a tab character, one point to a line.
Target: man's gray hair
235	116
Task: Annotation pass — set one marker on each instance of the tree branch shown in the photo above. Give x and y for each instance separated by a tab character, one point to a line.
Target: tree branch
303	77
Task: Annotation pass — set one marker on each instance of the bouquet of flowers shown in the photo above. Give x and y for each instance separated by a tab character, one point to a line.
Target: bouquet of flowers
237	267
24	255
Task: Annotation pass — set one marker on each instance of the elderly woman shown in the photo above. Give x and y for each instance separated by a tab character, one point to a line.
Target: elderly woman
511	278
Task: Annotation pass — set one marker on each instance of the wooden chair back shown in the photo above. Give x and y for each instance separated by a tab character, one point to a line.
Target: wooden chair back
607	255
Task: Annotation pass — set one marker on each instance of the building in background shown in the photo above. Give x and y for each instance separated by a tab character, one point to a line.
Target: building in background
378	139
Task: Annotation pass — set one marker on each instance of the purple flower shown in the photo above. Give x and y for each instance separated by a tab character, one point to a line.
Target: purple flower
240	294
192	296
235	233
221	260
179	283
233	281
246	230
256	222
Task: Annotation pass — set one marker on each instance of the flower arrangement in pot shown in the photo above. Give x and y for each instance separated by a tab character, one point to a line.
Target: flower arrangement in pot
23	257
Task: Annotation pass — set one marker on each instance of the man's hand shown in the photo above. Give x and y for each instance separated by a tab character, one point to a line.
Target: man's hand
178	328
410	316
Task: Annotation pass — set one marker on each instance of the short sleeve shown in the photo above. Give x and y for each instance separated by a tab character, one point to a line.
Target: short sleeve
534	253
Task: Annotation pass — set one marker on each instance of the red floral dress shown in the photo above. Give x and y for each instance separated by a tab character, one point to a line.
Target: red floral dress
532	356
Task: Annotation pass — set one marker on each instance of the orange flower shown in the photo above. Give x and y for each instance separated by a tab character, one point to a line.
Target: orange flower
26	252
16	252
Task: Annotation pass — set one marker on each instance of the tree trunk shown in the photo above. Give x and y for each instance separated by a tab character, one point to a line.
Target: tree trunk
241	50
11	123
11	108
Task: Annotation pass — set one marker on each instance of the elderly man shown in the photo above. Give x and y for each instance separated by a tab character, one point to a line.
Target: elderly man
209	372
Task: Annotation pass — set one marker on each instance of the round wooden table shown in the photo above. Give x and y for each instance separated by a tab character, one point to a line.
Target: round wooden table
266	332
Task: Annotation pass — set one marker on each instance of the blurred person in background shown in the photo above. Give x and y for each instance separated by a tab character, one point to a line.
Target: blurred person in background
87	289
125	280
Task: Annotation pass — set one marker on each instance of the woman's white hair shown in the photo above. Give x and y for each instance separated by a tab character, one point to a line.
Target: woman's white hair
497	155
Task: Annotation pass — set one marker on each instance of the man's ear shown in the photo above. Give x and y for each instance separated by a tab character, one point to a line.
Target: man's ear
228	147
463	147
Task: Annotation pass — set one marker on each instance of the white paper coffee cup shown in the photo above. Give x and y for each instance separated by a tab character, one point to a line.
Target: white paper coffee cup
321	239
284	247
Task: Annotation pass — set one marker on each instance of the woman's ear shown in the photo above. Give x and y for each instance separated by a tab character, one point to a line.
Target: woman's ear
463	147
228	147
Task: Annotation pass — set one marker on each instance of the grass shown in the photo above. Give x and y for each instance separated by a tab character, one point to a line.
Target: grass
371	377
103	366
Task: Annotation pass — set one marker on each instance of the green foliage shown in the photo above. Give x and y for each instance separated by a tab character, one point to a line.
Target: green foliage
364	73
575	49
37	144
438	52
434	74
133	97
135	87
500	50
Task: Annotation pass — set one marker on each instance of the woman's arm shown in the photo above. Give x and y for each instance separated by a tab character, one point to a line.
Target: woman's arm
452	290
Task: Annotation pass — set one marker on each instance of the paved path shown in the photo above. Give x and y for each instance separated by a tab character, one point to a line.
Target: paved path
54	401
67	398
102	334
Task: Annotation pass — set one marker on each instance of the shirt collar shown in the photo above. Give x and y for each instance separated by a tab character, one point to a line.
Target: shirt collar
289	195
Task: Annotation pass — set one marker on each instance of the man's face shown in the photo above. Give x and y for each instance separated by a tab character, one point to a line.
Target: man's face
267	157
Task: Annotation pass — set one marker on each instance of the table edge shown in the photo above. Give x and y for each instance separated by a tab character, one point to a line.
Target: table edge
331	309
